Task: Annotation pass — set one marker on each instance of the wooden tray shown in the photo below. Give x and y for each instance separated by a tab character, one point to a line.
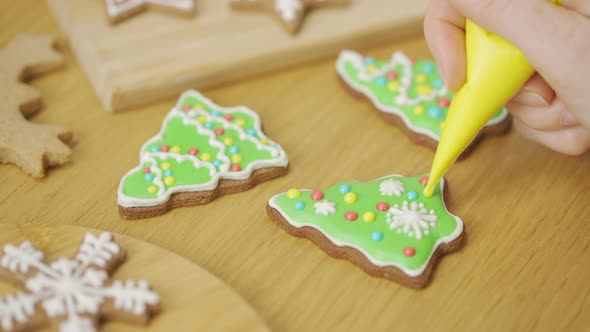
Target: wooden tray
157	55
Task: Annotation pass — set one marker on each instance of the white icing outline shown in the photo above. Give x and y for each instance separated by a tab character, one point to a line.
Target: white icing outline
115	9
224	172
410	272
397	58
70	287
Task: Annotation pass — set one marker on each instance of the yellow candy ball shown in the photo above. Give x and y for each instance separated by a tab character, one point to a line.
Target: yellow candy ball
240	122
202	119
424	90
198	107
175	149
421	78
368	216
169	180
393	86
350	198
165	166
236	159
264	140
371	68
228	141
152	189
206	156
293	193
419	109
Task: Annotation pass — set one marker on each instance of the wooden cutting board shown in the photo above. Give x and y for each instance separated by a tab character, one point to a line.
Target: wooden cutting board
157	55
192	299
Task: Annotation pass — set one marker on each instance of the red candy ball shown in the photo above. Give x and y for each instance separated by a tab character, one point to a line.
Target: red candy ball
409	251
219	131
187	108
164	148
236	167
147	170
317	195
414	59
228	117
193	151
351	216
392	75
444	102
382	206
424	180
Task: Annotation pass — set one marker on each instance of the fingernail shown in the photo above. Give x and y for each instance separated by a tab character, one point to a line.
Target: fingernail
532	98
568	119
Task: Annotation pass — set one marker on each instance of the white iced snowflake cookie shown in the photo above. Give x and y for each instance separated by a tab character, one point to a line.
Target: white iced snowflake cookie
74	292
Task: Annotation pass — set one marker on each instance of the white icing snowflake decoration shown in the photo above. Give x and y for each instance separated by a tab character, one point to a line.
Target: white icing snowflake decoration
391	187
325	208
74	289
412	219
288	9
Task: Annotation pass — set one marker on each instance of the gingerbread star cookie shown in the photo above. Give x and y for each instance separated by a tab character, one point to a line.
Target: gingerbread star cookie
385	226
118	10
72	294
28	145
289	12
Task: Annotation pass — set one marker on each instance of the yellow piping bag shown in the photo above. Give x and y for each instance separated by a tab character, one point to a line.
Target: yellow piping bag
496	70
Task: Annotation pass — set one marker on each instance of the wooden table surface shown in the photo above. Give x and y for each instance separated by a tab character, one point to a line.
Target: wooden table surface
525	266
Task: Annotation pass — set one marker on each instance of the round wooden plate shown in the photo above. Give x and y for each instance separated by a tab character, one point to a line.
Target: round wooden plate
191	298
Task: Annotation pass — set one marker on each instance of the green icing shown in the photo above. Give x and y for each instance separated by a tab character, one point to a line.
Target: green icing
359	233
198	143
384	89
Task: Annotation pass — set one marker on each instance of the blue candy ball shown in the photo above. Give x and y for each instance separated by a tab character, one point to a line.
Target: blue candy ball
234	149
381	81
344	189
369	60
376	236
216	113
251	131
299	205
149	177
168	173
217	162
437	84
428	68
155	149
412	195
435	112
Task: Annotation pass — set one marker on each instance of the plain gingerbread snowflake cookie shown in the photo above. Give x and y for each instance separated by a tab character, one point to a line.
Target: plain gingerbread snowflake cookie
202	151
386	226
72	294
408	93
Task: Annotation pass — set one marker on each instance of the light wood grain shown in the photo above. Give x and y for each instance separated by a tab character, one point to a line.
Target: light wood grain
191	298
156	55
524	266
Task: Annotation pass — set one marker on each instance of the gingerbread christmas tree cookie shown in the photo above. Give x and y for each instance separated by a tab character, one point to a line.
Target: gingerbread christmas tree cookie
408	93
119	10
202	151
73	294
385	226
289	12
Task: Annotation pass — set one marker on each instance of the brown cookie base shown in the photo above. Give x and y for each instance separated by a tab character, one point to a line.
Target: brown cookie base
224	187
494	130
358	258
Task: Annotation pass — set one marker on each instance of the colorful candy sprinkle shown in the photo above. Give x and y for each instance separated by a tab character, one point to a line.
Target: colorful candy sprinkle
236	158
382	206
147	170
381	81
424	90
293	193
234	149
435	112
251	132
424	180
264	140
217	163
193	151
168	173
228	117
369	216
175	149
208	125
149	177
369	60
412	195
299	205
393	86
206	156
166	166
376	236
409	251
155	149
437	84
317	195
152	189
428	68
165	148
345	188
421	78
169	180
392	75
219	131
350	216
236	167
215	113
187	108
350	198
443	102
419	109
202	119
228	141
240	122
